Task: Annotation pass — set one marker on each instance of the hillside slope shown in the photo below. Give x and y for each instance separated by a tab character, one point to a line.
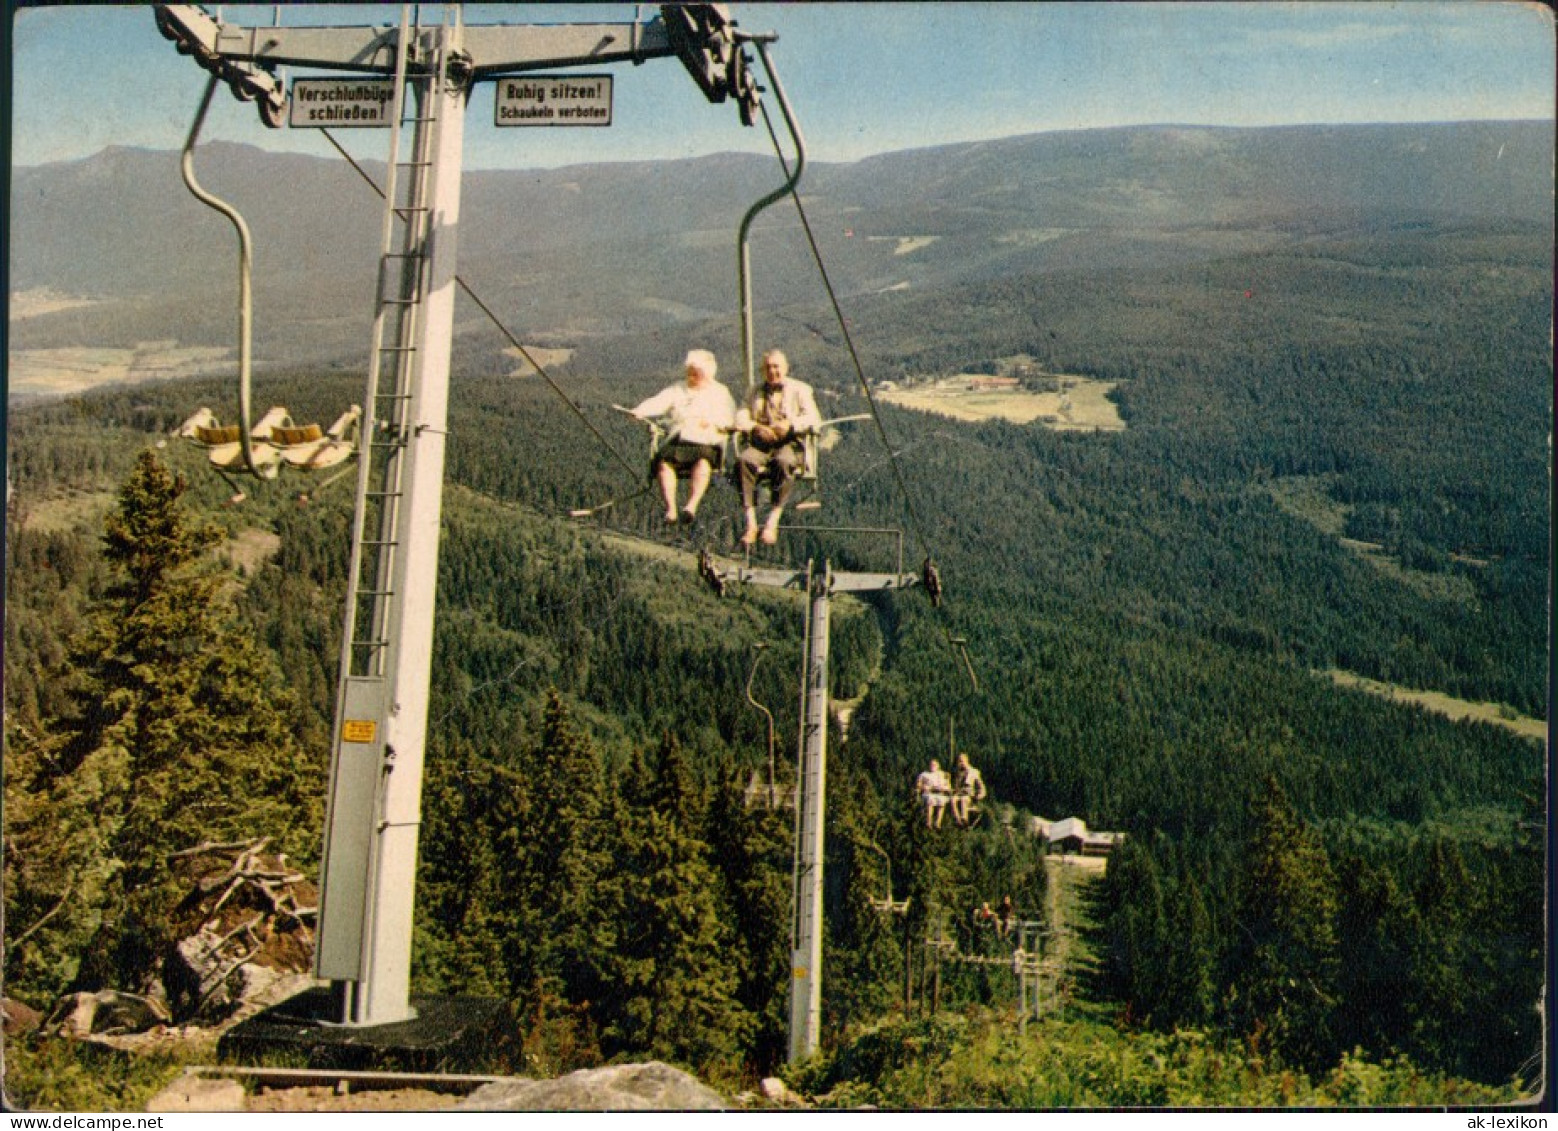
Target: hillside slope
572	253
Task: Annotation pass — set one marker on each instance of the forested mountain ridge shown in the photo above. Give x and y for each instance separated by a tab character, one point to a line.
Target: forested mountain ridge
1145	613
570	254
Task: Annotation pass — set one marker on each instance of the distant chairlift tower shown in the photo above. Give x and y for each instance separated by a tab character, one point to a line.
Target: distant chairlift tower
820	586
374	812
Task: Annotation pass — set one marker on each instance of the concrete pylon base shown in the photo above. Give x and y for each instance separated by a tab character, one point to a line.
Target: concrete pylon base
448	1034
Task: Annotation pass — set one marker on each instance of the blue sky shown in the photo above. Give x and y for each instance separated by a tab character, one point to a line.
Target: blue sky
864	78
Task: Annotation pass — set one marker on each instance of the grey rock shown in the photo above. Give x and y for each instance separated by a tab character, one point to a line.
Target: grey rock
108	1011
775	1091
621	1087
17	1017
198	1093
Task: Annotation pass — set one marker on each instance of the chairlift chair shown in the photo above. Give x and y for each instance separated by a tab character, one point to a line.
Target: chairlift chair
734	444
311	449
260	448
808	473
224	444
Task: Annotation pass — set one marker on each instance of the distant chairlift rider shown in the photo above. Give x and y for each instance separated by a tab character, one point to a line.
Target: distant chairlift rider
934	789
969	790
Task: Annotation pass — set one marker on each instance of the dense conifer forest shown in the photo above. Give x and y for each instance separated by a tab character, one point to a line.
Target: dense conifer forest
1335	457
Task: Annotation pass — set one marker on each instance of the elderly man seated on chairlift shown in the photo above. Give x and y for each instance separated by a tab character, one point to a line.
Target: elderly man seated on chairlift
968	790
778	414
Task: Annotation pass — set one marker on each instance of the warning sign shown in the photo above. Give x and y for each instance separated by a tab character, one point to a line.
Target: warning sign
341	102
358	730
545	100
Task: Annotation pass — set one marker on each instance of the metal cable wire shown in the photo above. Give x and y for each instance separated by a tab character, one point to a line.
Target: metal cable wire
849	343
502	329
908	499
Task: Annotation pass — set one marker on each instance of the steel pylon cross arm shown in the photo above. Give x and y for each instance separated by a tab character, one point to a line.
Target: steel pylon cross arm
700	31
702	35
493	50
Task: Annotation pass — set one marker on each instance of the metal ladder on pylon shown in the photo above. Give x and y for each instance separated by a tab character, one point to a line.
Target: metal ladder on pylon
387	424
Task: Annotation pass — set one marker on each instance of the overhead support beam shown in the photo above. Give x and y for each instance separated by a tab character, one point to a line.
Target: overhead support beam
703	36
493	51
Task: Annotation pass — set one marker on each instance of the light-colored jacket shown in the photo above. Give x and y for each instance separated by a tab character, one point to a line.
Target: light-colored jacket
694	416
795	403
971	783
933	783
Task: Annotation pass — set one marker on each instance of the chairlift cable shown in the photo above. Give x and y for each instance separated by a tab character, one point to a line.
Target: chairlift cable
849	343
502	329
865	388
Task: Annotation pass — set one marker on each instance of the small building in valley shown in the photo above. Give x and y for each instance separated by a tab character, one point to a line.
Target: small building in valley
1071	835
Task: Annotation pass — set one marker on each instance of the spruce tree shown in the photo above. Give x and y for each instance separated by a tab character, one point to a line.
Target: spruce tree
1283	961
670	985
1131	903
569	845
1137	952
1446	901
1189	989
470	917
180	733
1379	927
863	957
753	847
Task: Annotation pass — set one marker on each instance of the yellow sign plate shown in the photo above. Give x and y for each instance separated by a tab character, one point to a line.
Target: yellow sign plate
359	730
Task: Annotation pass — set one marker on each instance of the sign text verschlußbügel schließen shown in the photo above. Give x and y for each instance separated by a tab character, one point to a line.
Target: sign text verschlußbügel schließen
341	102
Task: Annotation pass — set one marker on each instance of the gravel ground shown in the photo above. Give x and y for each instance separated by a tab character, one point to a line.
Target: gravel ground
327	1099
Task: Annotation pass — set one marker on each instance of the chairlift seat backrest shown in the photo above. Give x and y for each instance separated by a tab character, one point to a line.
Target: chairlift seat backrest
290	437
202	417
214	436
275	417
310	448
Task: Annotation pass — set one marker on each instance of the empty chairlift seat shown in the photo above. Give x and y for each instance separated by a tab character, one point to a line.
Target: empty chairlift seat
311	449
274	440
223	444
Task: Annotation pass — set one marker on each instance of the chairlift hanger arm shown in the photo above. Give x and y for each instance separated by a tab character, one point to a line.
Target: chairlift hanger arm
245	270
743	236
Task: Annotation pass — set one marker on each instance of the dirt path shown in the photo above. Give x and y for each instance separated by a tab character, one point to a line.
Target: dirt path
1069	956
